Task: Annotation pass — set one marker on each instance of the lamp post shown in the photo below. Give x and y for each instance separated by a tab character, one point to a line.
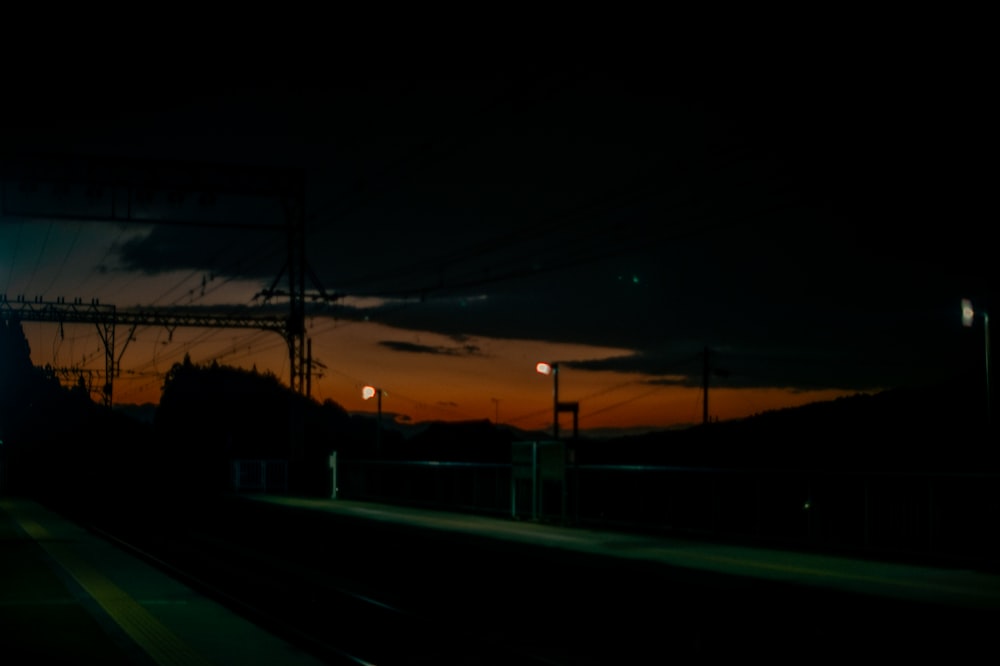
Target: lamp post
552	369
546	368
968	316
367	393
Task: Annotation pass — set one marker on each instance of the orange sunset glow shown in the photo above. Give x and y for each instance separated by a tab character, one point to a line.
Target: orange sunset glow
440	236
497	383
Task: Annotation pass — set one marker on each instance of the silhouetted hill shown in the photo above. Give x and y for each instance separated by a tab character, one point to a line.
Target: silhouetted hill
908	429
211	415
940	427
467	441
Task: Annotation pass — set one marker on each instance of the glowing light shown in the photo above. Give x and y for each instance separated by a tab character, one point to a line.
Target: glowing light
368	392
967	312
544	368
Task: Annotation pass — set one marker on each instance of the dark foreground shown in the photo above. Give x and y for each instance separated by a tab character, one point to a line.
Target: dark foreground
448	589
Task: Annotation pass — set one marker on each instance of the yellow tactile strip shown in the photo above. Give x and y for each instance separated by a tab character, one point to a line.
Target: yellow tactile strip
161	644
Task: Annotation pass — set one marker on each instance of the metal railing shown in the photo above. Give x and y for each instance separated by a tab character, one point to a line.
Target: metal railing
944	515
260	475
454	486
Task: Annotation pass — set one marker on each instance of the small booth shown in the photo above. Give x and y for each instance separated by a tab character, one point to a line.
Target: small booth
538	480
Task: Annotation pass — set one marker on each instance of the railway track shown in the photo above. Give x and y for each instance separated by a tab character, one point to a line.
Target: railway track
352	609
354	591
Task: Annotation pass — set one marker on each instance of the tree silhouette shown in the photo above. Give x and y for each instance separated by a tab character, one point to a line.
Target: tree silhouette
211	415
24	389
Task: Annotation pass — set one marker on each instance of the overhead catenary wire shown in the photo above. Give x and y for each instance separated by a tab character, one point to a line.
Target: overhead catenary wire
191	294
425	149
503	269
69	252
41	255
574	245
13	255
508	276
478	129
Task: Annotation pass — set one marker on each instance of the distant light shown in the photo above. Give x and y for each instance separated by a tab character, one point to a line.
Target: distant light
544	368
967	312
368	392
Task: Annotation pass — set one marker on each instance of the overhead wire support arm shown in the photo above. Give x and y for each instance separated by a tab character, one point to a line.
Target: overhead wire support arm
107	317
108	188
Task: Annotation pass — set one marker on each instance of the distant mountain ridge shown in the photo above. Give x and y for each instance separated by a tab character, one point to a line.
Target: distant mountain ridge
937	427
929	427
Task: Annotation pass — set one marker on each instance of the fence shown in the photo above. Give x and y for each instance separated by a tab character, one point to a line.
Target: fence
455	486
951	516
260	475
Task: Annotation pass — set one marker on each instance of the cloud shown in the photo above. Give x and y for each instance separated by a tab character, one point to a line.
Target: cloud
810	233
226	252
413	348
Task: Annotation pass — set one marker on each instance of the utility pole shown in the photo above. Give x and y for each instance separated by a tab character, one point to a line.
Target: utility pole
295	229
107	317
705	371
108	189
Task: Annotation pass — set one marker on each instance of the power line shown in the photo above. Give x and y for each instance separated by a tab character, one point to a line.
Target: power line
65	261
627	401
13	253
41	253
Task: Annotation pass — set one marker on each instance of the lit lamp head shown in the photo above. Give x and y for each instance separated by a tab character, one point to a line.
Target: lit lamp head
967	312
545	368
368	392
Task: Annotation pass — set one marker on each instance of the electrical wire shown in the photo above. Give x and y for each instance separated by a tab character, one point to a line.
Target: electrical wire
526	235
69	252
41	254
13	254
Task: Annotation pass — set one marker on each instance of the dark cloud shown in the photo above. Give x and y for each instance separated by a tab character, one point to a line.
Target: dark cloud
814	227
254	254
413	348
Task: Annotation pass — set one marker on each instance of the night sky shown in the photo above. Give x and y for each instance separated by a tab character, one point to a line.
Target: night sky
813	226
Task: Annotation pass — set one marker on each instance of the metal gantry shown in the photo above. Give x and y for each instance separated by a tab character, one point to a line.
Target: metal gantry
107	318
121	189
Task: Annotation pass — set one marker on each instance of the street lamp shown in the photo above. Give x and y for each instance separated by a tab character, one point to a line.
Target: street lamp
968	316
546	368
367	393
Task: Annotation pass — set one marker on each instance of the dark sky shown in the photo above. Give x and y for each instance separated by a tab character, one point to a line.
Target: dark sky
815	225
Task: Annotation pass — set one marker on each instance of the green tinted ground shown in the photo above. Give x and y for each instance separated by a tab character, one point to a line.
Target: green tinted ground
44	616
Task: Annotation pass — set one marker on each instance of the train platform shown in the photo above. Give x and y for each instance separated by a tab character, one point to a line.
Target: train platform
69	596
935	586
